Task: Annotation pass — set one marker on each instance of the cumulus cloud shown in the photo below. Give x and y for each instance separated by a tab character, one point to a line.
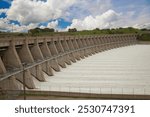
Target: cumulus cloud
113	19
35	11
53	24
6	26
105	20
23	28
134	19
142	26
83	8
3	11
84	14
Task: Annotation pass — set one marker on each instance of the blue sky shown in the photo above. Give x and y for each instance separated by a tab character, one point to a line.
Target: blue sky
4	4
23	15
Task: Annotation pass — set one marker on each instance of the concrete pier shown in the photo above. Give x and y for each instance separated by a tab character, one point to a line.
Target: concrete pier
35	56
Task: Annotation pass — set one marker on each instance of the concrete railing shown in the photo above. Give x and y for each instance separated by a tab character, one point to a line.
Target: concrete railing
31	56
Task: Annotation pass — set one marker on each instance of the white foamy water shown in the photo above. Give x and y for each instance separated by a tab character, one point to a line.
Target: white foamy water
124	70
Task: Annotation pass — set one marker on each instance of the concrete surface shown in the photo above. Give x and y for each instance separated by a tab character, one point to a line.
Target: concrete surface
124	70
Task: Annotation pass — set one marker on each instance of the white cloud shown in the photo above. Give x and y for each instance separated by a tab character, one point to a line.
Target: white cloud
6	26
84	14
23	28
35	11
3	11
53	24
105	20
113	19
98	6
83	8
42	27
134	18
142	26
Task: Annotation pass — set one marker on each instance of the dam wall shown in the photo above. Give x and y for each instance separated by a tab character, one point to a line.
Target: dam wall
25	58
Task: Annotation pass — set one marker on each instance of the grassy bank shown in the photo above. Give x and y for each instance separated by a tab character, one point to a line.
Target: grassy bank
144	37
43	32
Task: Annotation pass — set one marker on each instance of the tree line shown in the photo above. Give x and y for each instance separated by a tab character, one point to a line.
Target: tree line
39	30
94	31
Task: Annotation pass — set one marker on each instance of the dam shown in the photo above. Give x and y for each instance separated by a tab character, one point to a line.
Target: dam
107	64
114	71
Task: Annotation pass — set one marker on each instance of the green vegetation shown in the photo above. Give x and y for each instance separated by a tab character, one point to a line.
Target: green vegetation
116	31
144	37
144	34
72	30
38	31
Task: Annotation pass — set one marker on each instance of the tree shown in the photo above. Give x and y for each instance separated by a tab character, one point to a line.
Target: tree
96	29
39	30
34	31
48	30
144	29
72	30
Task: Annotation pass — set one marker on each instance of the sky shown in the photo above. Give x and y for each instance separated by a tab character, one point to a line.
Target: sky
22	15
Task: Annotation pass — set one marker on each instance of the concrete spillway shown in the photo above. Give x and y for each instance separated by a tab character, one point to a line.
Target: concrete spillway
124	70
